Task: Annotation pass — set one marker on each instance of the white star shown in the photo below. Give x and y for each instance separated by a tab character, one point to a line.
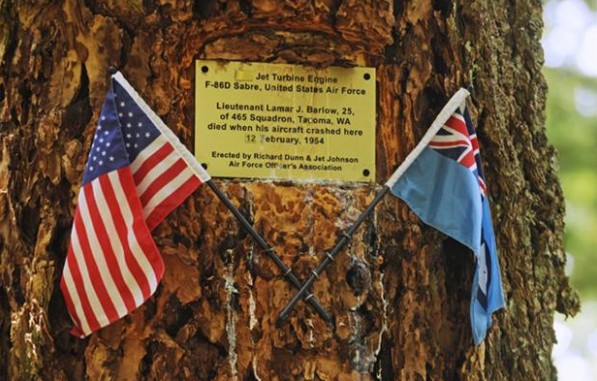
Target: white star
106	132
111	158
139	124
120	114
147	134
99	127
103	153
136	145
101	140
94	158
91	168
101	163
108	144
128	145
129	136
97	149
130	114
128	125
103	117
121	104
137	135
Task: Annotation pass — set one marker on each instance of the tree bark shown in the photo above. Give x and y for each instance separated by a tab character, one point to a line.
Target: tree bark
213	316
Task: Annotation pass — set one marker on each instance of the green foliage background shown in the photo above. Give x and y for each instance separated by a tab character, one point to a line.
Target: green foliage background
572	128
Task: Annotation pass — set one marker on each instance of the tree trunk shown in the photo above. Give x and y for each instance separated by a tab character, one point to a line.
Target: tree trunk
213	316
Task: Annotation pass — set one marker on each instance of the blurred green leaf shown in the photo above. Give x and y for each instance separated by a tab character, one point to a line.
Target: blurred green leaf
572	129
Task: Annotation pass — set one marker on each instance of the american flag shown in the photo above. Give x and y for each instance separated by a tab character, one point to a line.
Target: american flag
137	172
457	140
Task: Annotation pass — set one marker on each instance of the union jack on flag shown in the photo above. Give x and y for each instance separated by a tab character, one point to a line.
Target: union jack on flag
137	173
457	140
442	182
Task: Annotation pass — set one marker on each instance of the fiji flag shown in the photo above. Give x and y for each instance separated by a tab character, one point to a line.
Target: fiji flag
136	174
442	182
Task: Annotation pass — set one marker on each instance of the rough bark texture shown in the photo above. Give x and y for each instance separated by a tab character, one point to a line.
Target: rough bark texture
399	293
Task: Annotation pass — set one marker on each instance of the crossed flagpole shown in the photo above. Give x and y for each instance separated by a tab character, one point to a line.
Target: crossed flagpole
286	271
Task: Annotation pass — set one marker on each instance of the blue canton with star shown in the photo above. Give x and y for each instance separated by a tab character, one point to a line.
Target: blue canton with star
122	132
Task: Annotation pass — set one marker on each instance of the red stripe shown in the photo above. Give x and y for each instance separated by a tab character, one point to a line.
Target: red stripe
468	160
69	303
475	142
76	331
150	162
172	202
104	242
139	226
122	231
79	284
453	143
163	180
458	125
94	273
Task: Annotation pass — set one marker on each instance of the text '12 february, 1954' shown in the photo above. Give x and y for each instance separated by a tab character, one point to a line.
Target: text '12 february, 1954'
279	121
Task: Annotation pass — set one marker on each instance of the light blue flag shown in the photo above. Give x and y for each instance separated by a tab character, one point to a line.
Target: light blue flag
442	182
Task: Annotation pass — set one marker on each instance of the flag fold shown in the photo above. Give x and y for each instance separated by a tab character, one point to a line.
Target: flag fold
442	182
137	173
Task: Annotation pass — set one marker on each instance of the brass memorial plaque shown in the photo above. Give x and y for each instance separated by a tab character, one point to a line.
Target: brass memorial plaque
278	121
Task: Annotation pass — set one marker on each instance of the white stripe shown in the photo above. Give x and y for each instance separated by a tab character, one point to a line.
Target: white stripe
136	249
458	136
186	155
449	139
458	99
483	270
167	190
156	171
96	305
464	153
73	292
482	186
100	257
147	152
115	243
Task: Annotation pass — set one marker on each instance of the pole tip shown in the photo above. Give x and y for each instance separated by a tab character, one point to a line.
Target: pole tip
112	70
